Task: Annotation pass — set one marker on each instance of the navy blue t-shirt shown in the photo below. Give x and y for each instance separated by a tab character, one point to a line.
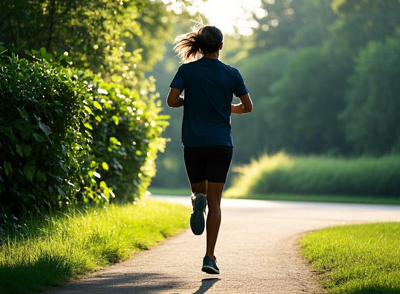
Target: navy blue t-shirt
209	87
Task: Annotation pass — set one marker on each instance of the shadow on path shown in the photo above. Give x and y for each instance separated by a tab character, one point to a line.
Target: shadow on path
143	283
206	284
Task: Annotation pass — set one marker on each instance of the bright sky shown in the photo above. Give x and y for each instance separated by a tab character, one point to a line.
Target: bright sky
227	14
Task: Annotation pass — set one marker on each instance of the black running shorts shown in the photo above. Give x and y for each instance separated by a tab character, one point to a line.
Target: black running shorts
207	163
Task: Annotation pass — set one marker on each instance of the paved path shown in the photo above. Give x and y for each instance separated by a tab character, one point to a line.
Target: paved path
257	252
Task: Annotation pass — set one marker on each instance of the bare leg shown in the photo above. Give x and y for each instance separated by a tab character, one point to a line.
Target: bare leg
198	188
214	194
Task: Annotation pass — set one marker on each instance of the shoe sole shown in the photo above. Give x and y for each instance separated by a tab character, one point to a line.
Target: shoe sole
210	270
197	222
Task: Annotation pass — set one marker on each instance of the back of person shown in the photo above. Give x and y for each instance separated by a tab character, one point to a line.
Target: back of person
209	88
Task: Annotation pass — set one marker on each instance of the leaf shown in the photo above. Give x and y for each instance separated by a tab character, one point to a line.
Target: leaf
114	141
103	185
7	167
97	105
105	166
20	151
41	176
29	171
106	192
26	132
88	109
27	150
62	192
38	137
23	114
46	129
88	126
97	175
115	119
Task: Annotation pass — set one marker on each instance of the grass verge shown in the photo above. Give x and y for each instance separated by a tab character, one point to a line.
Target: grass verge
356	259
170	192
312	175
68	245
320	198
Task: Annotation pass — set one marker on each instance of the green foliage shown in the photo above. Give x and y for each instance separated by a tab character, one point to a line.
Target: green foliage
126	132
43	142
300	23
299	101
356	258
72	138
107	37
54	251
372	114
281	173
305	104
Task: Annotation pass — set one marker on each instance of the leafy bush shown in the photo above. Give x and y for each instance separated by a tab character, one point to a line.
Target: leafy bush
67	137
42	140
281	173
126	133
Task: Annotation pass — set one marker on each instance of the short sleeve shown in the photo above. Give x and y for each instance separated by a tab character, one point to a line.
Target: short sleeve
179	79
240	87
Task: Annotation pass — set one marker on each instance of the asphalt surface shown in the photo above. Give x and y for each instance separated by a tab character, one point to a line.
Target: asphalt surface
257	252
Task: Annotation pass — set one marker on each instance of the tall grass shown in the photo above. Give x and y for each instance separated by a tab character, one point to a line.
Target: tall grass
281	173
65	246
356	259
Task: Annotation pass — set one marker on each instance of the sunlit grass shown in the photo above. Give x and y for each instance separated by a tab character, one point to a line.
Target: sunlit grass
356	258
311	175
67	245
169	191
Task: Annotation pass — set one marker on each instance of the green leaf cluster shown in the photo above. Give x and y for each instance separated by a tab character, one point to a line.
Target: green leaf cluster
42	139
69	137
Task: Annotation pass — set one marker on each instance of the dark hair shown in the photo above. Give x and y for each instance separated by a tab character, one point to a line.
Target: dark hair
203	40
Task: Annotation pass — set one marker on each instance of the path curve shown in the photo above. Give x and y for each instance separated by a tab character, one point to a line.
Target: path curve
257	252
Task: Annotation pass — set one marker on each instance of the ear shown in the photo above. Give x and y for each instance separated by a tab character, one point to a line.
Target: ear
222	45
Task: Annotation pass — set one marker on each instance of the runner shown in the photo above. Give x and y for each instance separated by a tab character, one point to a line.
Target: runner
209	86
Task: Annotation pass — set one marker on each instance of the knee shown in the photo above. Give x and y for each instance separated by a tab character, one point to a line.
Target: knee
214	205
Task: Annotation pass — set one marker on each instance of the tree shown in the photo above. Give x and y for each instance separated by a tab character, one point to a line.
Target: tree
260	73
371	118
299	23
115	39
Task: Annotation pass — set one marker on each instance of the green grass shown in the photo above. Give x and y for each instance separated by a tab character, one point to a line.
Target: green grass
355	259
311	175
321	198
68	245
168	191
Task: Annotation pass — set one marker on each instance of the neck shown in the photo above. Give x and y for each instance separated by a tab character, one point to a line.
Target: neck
213	55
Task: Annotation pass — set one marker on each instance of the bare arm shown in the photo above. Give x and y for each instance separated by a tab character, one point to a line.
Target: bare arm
173	99
245	105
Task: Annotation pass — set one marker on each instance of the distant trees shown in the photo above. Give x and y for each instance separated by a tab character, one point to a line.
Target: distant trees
301	107
372	115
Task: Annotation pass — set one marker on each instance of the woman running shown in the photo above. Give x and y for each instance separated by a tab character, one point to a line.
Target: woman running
209	86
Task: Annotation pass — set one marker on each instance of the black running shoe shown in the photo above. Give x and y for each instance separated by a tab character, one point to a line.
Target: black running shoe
197	222
210	266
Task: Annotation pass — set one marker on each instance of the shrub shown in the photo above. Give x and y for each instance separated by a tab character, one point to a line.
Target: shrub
42	140
68	137
126	133
281	173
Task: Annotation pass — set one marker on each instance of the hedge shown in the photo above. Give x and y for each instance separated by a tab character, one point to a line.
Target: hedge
69	138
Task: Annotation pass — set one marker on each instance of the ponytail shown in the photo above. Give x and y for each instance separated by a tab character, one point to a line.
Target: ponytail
203	40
